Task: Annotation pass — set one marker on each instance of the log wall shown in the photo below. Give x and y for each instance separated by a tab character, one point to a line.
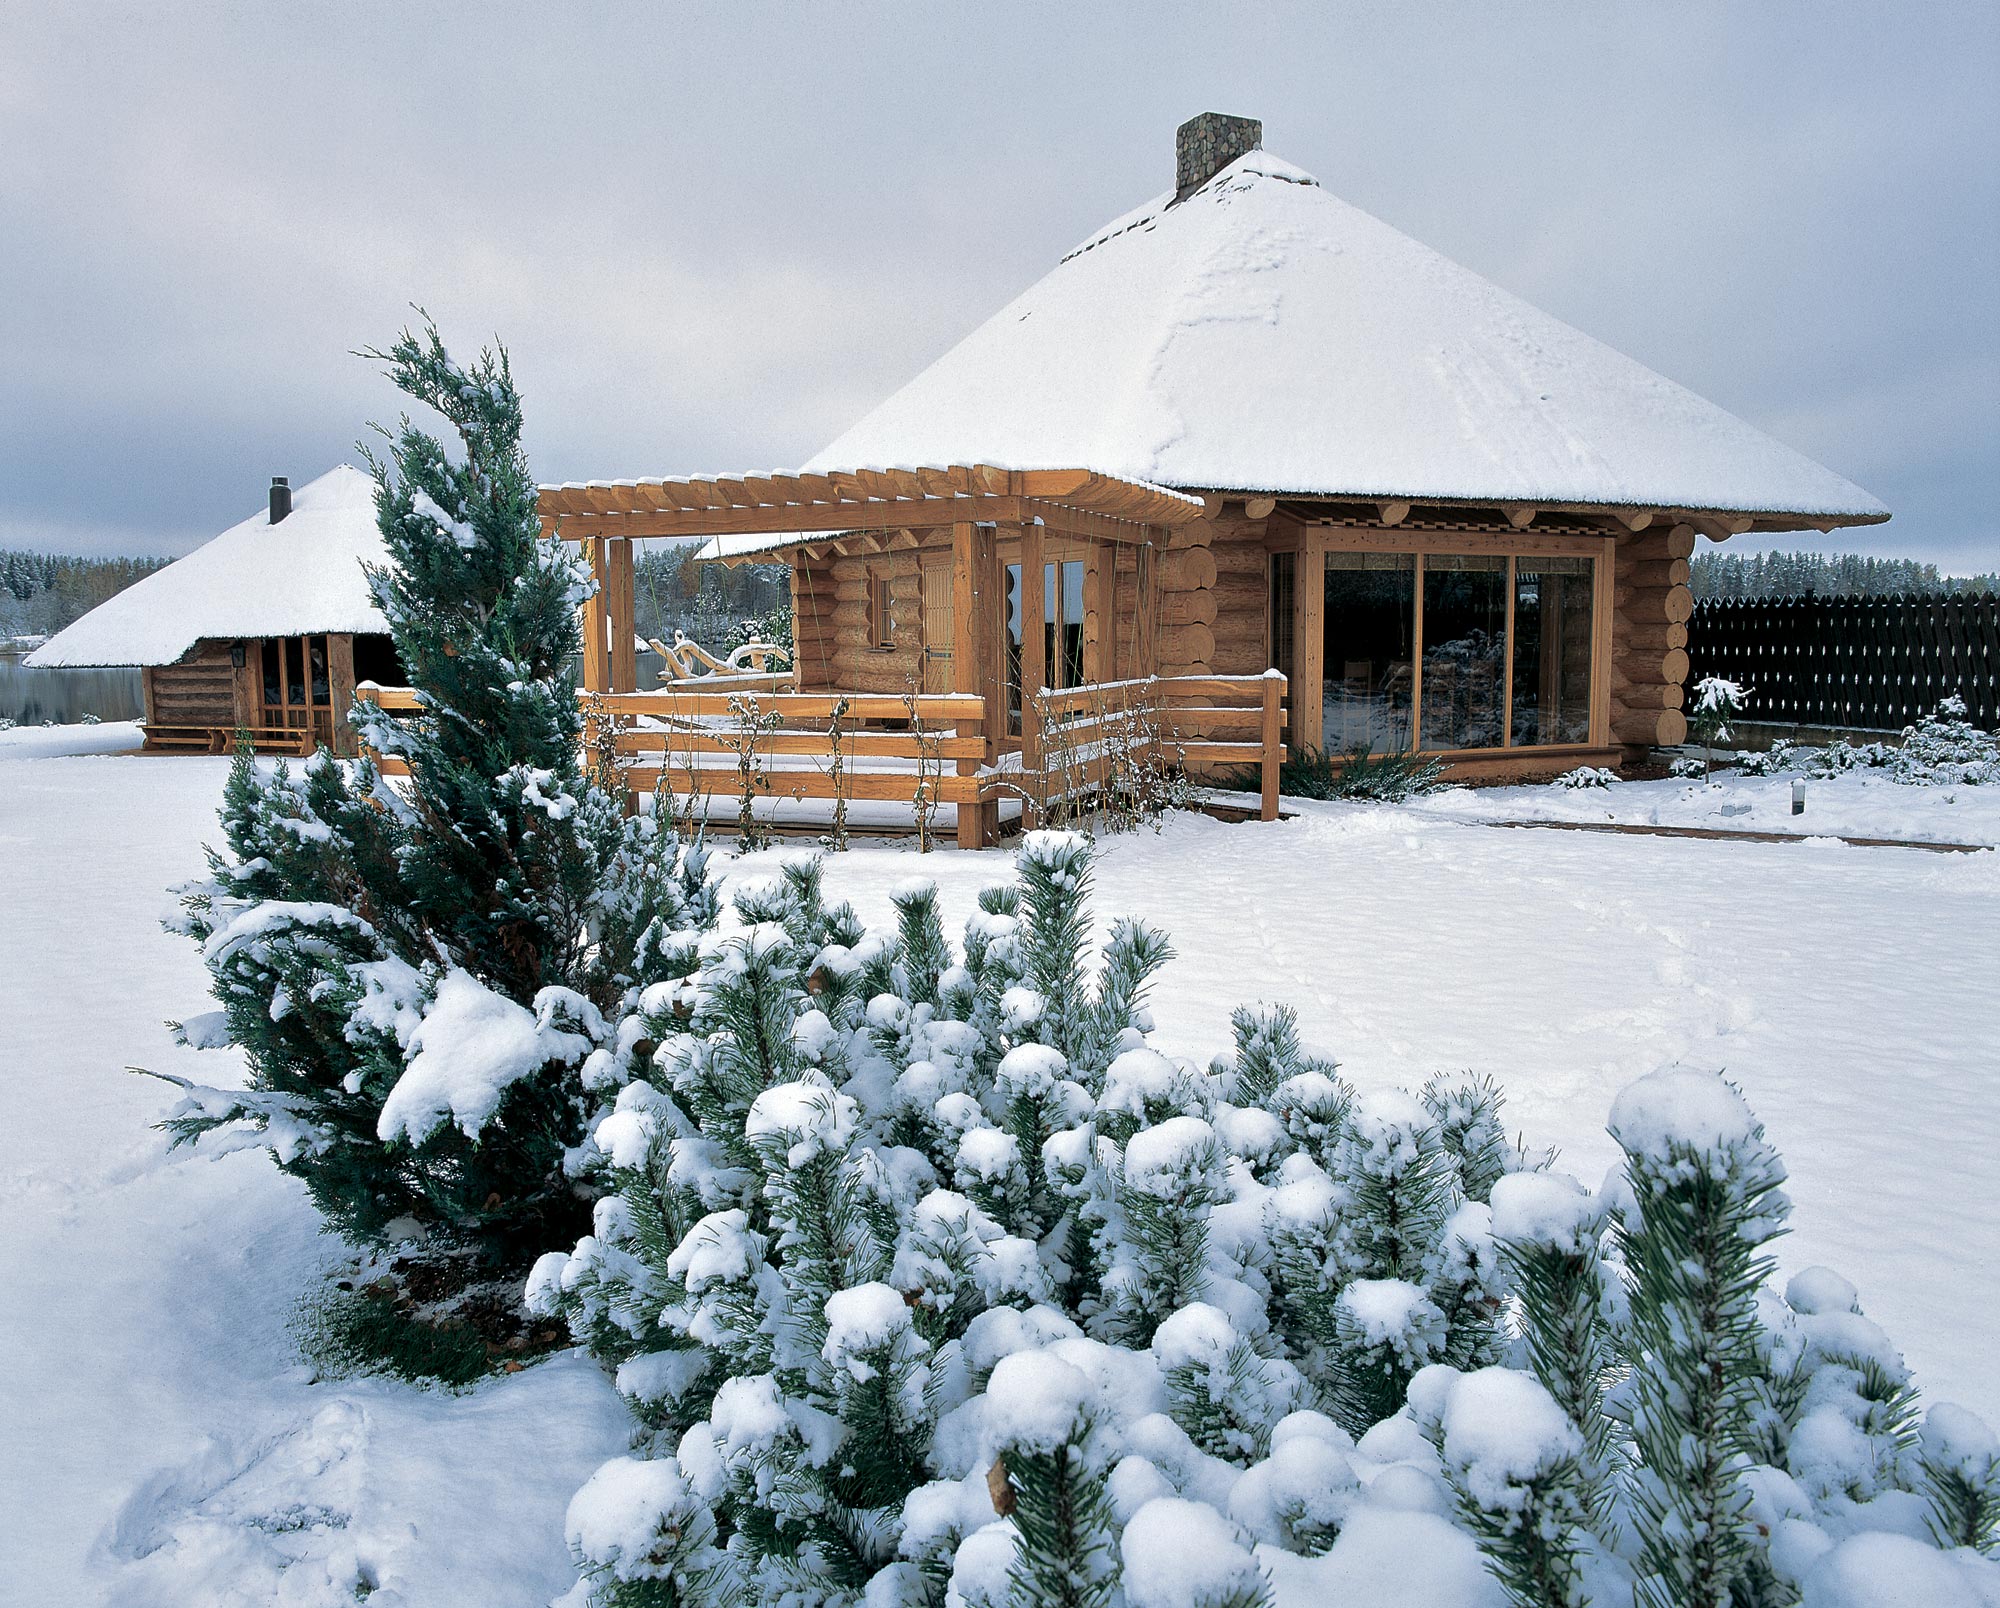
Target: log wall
199	691
1651	606
854	663
813	604
1213	593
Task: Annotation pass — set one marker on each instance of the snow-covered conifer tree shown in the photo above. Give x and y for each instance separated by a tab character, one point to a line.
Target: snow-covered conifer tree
1717	701
1054	1466
420	971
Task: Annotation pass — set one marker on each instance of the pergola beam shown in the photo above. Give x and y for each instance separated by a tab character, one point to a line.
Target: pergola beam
1080	501
844	521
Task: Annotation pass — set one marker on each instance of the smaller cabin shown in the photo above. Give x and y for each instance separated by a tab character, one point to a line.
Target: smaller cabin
266	629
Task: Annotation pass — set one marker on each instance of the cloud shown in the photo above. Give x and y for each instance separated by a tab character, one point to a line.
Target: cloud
712	237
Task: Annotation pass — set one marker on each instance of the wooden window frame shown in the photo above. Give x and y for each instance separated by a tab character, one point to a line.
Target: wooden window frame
1098	564
881	612
1309	622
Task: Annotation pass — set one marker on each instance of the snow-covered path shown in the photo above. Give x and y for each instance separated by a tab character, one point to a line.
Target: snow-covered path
162	1443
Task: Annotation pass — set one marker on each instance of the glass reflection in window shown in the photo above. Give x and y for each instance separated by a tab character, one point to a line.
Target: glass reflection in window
1552	605
1014	650
1465	651
1370	616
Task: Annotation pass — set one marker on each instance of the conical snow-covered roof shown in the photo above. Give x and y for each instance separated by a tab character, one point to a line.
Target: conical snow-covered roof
300	576
1263	335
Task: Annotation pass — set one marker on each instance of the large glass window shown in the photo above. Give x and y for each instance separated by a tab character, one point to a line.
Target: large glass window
1465	652
1552	606
1376	613
1370	626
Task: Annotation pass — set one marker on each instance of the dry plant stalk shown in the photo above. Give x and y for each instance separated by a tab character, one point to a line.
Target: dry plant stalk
745	741
695	810
835	732
1060	742
930	767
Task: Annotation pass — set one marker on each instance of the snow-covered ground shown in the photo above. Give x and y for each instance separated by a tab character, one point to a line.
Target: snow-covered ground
163	1444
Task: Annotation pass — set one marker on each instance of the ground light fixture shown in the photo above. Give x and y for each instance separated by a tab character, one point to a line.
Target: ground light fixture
1799	796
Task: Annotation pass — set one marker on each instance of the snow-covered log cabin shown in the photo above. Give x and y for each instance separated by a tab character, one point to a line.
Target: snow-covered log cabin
1451	521
265	628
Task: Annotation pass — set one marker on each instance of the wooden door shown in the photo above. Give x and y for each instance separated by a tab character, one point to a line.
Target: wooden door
937	626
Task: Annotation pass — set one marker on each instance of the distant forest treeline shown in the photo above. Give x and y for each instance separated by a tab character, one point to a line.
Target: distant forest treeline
1824	575
40	593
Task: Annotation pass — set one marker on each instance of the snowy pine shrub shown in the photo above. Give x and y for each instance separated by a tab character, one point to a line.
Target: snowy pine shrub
425	977
931	1281
1515	1464
1717	701
1549	1230
929	1274
1945	749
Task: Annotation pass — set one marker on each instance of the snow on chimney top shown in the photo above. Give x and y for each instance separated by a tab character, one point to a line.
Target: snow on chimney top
1205	145
281	497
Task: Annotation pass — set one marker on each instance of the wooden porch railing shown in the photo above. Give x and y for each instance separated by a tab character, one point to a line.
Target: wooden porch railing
820	745
1088	735
884	748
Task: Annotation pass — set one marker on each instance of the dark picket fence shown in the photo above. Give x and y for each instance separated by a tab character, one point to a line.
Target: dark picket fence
1868	663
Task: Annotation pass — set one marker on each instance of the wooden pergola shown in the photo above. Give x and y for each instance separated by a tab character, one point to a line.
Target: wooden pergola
970	511
863	510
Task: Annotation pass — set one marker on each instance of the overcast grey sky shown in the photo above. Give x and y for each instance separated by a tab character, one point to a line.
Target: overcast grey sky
712	237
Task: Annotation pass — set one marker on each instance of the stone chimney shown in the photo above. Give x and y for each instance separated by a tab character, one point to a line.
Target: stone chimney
281	497
1205	145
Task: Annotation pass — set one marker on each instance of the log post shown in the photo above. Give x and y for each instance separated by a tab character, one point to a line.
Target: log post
246	688
1034	668
1100	653
596	661
1274	703
340	690
1145	625
620	605
1308	689
968	662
